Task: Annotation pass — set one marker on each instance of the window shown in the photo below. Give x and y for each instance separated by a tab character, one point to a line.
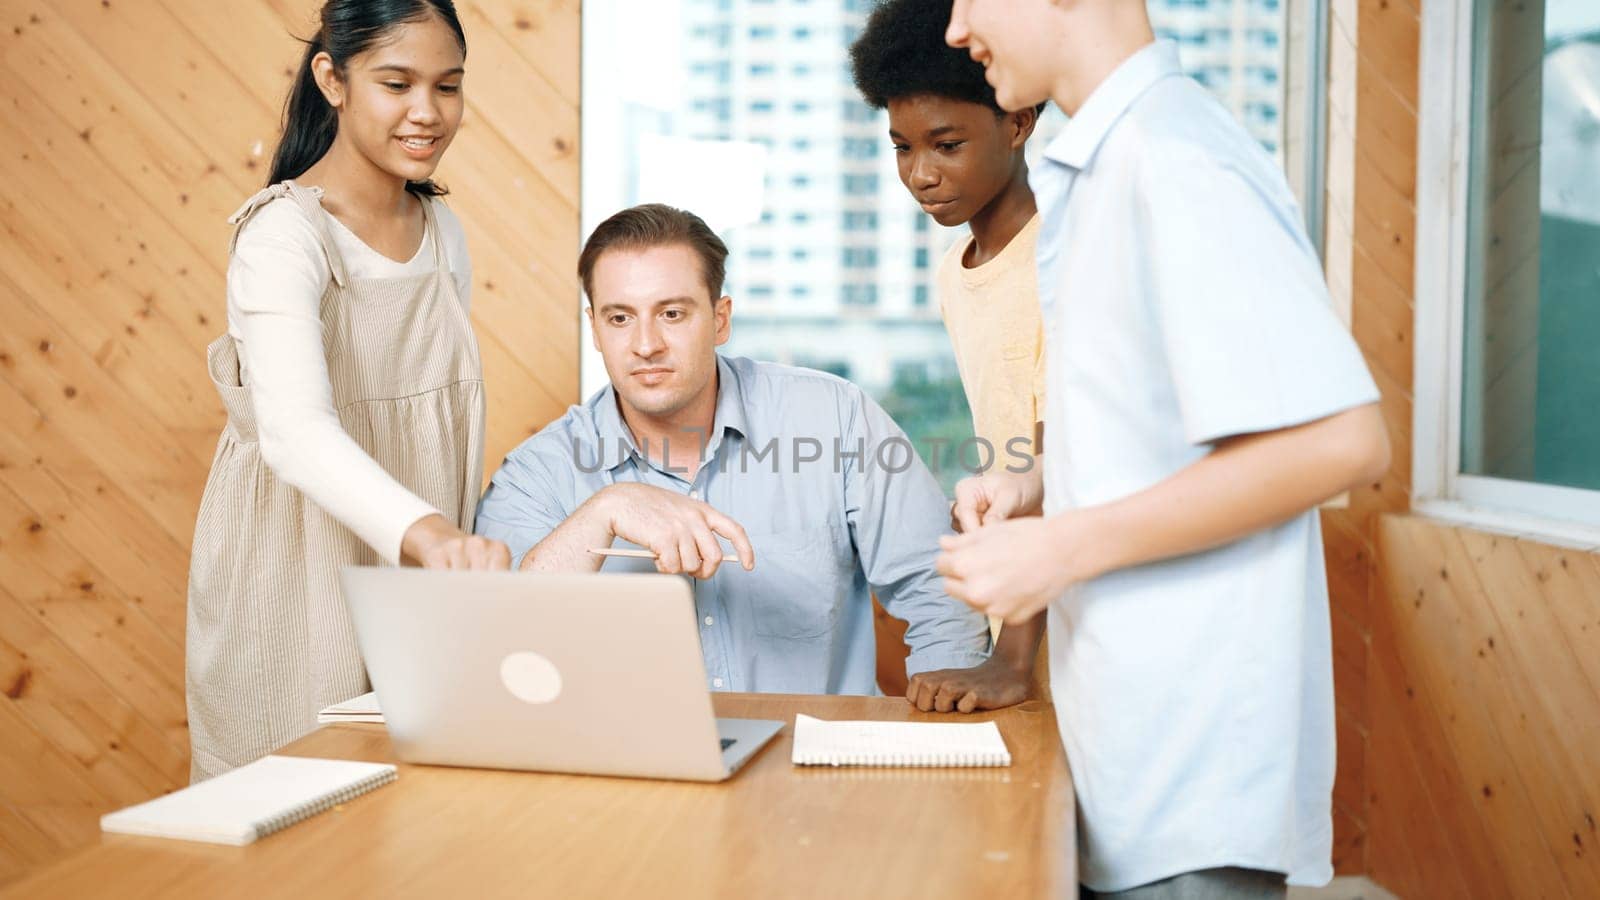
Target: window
860	258
716	106
860	147
1508	290
860	294
857	185
856	111
860	220
717	34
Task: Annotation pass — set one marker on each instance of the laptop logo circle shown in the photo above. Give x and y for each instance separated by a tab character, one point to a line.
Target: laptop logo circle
530	677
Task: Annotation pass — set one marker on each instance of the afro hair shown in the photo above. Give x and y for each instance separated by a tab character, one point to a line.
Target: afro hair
902	53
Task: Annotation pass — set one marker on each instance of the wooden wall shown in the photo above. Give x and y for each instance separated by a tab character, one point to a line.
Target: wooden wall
133	129
1467	684
1483	771
1371	211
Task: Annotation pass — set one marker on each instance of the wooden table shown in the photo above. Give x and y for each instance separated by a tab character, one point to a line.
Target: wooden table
773	830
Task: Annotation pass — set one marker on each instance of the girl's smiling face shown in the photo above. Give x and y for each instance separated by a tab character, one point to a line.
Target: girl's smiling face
400	102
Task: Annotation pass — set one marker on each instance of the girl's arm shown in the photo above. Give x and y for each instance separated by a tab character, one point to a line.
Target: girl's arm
276	280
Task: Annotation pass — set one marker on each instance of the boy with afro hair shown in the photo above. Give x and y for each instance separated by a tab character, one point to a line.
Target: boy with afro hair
961	157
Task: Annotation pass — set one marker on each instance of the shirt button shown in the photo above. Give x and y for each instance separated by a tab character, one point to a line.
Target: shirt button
710	621
716	682
694	494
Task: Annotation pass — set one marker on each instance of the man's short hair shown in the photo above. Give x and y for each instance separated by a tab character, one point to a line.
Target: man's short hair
656	225
902	53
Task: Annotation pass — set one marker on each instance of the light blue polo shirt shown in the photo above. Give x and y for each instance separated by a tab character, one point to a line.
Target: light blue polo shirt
836	503
1182	304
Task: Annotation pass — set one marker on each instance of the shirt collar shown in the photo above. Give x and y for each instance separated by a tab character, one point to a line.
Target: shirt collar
730	414
1083	134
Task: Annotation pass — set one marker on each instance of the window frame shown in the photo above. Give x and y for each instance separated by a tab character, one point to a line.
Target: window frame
1445	143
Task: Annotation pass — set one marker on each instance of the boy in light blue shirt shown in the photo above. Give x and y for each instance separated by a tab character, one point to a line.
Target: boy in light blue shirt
1203	399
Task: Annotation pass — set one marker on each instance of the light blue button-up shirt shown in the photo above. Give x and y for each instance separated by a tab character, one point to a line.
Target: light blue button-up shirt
1183	304
836	503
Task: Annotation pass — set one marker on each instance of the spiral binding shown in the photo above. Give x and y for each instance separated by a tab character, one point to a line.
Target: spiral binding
322	804
915	758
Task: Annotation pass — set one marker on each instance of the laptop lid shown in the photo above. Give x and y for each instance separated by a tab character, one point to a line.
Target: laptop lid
594	674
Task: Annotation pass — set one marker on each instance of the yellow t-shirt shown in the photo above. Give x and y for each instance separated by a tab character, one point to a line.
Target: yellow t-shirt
992	315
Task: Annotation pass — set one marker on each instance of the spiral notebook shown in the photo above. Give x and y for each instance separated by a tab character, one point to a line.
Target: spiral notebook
818	742
251	801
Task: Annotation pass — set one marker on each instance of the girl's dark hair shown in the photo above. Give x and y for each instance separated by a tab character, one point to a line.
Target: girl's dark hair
349	28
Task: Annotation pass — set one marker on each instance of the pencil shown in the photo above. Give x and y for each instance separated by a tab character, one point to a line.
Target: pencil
641	554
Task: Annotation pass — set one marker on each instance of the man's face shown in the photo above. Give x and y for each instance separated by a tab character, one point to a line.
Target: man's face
1013	40
657	327
954	156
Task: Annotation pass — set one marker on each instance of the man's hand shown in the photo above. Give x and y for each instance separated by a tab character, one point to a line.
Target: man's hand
681	532
990	685
997	496
1013	569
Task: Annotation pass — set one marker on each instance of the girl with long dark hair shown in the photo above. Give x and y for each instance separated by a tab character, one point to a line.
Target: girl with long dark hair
350	376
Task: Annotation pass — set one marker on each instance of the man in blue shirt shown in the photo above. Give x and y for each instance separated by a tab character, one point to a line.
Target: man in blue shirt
815	488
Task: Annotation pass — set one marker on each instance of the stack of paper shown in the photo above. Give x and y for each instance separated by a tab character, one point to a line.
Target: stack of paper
822	743
357	709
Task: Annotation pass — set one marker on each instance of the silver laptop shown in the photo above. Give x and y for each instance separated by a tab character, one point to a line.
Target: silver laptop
592	674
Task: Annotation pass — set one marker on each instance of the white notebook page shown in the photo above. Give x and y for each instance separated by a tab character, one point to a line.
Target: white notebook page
357	709
818	742
251	801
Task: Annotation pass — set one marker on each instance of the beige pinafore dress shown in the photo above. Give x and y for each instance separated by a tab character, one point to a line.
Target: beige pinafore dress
270	640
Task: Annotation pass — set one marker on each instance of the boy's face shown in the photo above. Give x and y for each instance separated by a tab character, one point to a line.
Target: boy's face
657	327
954	156
1015	40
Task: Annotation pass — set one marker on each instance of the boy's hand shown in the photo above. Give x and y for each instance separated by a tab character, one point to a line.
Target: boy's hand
991	684
1013	569
996	496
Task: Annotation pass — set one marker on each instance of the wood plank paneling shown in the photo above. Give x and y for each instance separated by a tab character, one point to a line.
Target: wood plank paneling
1479	655
1483	685
135	130
1372	184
